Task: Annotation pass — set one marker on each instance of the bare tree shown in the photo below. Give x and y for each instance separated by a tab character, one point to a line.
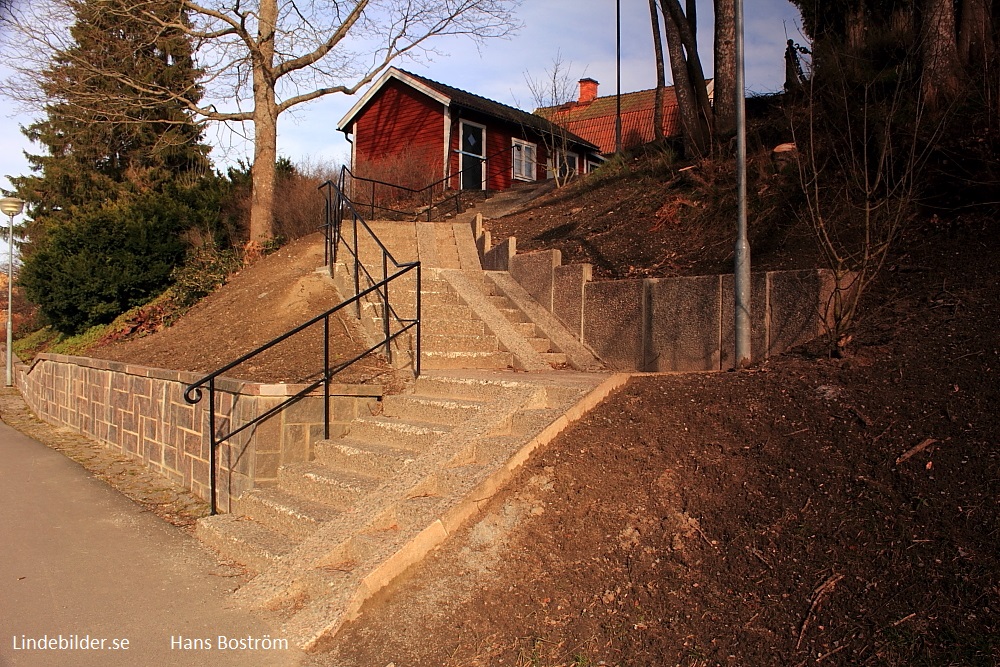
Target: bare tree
661	78
724	109
861	155
548	93
940	78
260	58
690	105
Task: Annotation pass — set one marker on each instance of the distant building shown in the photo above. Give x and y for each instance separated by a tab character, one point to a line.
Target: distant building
593	118
408	126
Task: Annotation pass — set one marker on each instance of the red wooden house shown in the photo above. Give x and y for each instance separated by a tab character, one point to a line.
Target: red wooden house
412	131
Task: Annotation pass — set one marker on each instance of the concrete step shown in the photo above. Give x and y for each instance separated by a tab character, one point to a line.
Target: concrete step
446	312
540	344
438	298
315	481
244	540
438	327
555	358
451	411
394	432
526	329
457	343
281	511
463	388
513	315
366	458
450	360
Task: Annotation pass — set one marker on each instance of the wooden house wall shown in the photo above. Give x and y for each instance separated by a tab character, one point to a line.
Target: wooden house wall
401	117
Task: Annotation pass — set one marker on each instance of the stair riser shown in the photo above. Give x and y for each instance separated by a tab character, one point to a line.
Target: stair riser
464	390
396	434
438	411
340	496
432	327
438	361
352	459
433	312
540	344
252	555
281	519
439	343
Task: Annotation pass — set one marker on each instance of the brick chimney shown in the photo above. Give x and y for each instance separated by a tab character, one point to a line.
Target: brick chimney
588	91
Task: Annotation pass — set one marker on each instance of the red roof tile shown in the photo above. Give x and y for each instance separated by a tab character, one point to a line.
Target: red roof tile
595	122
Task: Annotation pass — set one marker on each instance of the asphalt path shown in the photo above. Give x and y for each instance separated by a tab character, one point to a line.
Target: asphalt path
87	577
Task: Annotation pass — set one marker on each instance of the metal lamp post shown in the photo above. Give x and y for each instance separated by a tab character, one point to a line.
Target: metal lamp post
741	277
12	206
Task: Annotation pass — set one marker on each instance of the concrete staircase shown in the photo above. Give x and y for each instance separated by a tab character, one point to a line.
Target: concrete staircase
335	529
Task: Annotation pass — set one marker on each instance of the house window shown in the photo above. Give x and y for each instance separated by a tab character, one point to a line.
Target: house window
567	164
524	160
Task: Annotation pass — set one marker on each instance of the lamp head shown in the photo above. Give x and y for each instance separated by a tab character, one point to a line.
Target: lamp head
11	206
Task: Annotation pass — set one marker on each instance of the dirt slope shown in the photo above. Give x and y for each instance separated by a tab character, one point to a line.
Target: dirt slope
810	511
258	304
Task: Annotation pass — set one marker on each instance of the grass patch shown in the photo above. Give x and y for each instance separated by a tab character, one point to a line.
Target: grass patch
49	340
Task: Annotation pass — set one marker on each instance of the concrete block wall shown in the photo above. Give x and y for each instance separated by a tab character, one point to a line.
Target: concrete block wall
673	324
141	412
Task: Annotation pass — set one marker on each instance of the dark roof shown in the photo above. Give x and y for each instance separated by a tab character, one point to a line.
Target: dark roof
504	112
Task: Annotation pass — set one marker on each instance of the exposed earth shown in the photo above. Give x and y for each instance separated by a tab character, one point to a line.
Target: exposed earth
258	304
810	510
807	511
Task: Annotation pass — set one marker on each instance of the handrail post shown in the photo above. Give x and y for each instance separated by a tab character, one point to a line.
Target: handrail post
419	285
372	214
357	268
212	445
326	377
385	307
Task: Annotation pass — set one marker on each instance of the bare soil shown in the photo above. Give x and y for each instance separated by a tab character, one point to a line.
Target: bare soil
808	511
647	219
258	304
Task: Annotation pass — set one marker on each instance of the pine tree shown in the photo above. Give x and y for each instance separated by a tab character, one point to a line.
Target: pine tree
105	142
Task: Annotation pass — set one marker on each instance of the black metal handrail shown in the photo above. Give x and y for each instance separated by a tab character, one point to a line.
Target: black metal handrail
335	208
425	195
338	205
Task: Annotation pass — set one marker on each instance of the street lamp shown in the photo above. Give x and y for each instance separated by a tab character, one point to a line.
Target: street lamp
12	206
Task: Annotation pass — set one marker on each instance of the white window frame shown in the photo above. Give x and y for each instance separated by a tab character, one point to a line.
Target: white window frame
528	170
557	158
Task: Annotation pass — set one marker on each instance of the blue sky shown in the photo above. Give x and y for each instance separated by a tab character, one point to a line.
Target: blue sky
582	32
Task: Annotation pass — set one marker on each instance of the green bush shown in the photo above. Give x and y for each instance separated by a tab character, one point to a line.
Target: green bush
103	262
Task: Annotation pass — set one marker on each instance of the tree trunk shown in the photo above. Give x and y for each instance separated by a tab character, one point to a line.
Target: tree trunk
265	128
696	74
724	110
941	70
661	77
695	141
975	33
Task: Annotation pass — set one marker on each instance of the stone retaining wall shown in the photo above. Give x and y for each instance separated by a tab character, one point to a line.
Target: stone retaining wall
141	412
670	324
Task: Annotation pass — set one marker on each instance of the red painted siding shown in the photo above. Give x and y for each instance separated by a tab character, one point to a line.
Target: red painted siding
400	119
498	149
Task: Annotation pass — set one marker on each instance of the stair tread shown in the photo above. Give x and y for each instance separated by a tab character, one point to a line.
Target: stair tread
326	474
244	540
291	504
347	442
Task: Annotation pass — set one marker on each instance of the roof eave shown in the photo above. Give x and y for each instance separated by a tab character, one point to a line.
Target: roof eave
391	73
